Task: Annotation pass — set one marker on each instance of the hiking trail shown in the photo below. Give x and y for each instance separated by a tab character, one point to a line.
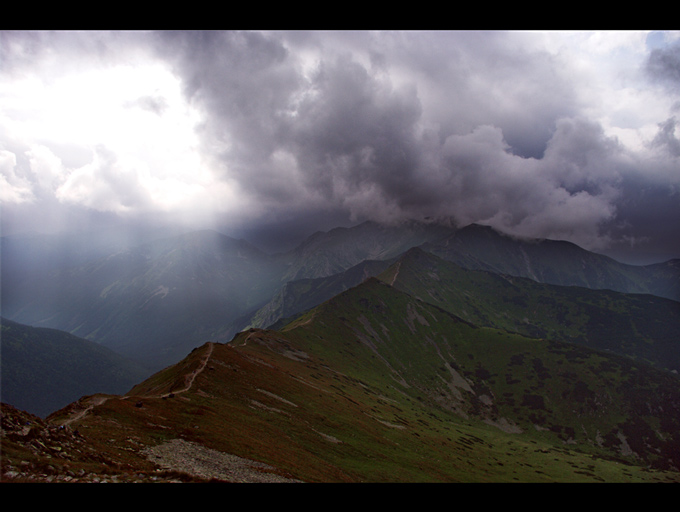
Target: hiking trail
100	399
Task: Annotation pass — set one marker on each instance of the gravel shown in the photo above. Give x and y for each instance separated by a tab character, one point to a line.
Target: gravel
197	460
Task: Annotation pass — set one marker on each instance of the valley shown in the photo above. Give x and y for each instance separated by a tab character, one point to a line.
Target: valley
369	354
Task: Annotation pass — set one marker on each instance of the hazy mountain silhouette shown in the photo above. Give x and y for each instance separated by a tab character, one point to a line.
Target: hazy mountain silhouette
45	369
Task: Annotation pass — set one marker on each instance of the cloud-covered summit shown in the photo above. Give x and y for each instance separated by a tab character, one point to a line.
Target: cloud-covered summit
560	135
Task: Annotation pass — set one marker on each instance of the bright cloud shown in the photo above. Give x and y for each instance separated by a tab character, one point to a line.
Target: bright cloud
133	122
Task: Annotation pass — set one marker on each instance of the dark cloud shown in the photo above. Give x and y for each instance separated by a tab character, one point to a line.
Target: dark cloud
302	130
351	134
663	64
468	79
246	85
666	137
354	131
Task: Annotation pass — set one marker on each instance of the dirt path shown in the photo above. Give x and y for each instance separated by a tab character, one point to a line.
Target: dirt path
98	400
189	378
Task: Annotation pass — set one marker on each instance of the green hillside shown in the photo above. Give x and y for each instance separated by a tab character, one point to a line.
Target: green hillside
429	372
303	294
641	326
559	392
377	386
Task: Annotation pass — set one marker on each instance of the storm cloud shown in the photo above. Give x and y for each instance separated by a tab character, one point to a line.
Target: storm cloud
561	135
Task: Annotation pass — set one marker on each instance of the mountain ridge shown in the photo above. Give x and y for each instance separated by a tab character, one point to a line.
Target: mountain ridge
552	261
635	325
376	385
157	300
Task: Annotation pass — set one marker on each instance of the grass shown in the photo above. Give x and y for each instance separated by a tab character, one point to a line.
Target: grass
374	386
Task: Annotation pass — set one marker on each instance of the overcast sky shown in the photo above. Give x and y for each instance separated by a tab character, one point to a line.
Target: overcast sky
564	135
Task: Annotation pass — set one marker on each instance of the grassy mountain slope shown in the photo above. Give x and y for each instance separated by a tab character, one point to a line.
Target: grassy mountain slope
641	326
508	380
375	385
45	369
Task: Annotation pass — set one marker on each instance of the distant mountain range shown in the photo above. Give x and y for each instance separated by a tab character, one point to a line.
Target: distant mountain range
553	262
154	302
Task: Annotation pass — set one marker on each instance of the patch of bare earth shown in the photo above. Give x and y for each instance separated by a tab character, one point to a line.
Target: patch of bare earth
194	459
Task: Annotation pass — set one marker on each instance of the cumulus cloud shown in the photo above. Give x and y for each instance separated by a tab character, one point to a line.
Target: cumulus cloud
105	184
14	189
551	135
667	139
663	64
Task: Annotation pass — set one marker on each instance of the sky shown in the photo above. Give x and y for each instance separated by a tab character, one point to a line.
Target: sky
273	135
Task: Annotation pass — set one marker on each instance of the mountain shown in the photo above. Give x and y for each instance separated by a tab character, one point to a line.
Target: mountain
640	326
553	262
155	301
636	325
373	385
334	261
44	370
328	253
303	294
663	279
387	338
479	247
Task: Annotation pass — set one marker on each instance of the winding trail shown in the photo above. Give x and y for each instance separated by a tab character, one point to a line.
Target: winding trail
98	400
192	458
189	378
80	414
